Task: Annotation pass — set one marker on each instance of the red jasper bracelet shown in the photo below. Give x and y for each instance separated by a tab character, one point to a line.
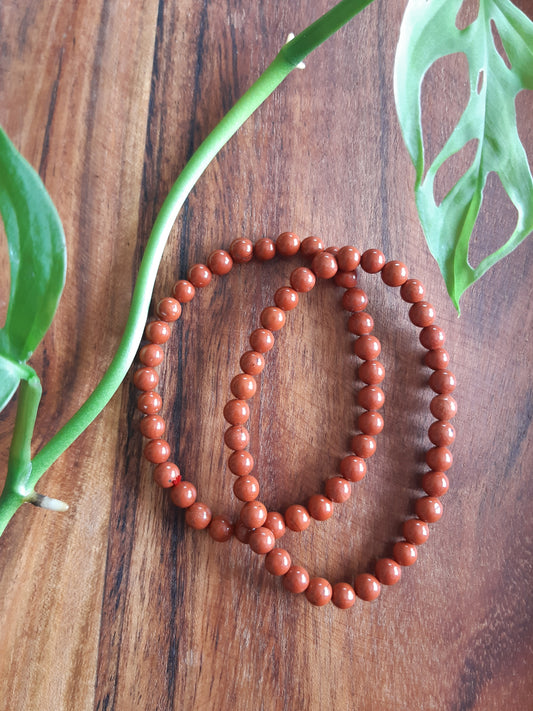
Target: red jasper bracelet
257	526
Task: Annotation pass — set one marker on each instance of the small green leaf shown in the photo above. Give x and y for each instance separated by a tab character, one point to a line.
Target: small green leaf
37	255
11	373
9	381
429	32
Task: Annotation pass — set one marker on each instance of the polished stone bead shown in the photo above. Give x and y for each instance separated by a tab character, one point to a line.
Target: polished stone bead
319	591
278	561
367	587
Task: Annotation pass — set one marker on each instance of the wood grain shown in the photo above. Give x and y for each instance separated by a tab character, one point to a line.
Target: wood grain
117	605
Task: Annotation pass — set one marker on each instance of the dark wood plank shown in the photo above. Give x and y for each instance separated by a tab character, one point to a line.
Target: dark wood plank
117	604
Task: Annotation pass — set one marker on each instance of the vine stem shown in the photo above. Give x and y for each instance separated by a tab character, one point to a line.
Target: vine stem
20	484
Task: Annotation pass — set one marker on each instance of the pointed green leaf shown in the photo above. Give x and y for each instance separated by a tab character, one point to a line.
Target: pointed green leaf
9	381
429	32
37	254
11	373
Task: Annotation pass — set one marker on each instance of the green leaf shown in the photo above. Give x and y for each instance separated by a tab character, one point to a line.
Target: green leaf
37	254
429	32
9	380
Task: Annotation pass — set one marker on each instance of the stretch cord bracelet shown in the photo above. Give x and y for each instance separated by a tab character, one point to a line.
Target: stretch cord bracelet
256	526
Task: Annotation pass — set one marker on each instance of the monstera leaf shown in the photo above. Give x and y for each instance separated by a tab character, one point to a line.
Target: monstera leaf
429	32
37	258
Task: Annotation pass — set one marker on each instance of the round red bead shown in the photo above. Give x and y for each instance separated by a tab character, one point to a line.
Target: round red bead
152	426
415	531
183	291
435	483
319	592
220	529
157	332
246	488
360	323
432	337
183	494
253	514
405	553
169	309
354	299
151	355
370	423
346	280
297	518
302	279
220	262
286	298
157	451
265	249
441	433
422	314
241	463
237	437
252	362
324	265
262	340
296	579
200	276
242	532
262	540
320	507
149	403
388	572
145	379
287	244
276	523
338	489
166	475
198	516
371	397
394	273
243	386
363	446
437	359
371	372
372	261
367	587
443	407
367	347
311	246
439	459
412	291
241	250
353	468
236	412
428	508
278	561
442	382
343	596
348	258
273	318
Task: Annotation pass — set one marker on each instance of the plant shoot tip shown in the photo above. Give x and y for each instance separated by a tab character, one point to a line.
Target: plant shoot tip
46	502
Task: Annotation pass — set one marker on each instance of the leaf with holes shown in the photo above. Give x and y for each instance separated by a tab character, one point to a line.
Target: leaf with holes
429	32
37	258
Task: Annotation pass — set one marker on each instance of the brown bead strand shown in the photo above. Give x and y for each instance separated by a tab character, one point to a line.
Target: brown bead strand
256	525
429	508
286	298
319	507
262	538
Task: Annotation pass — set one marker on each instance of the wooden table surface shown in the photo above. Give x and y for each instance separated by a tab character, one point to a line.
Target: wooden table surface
117	604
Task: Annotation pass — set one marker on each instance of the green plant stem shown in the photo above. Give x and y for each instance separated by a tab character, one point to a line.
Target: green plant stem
17	488
288	58
20	451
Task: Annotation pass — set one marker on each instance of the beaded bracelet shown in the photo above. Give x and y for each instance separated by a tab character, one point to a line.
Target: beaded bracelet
256	526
